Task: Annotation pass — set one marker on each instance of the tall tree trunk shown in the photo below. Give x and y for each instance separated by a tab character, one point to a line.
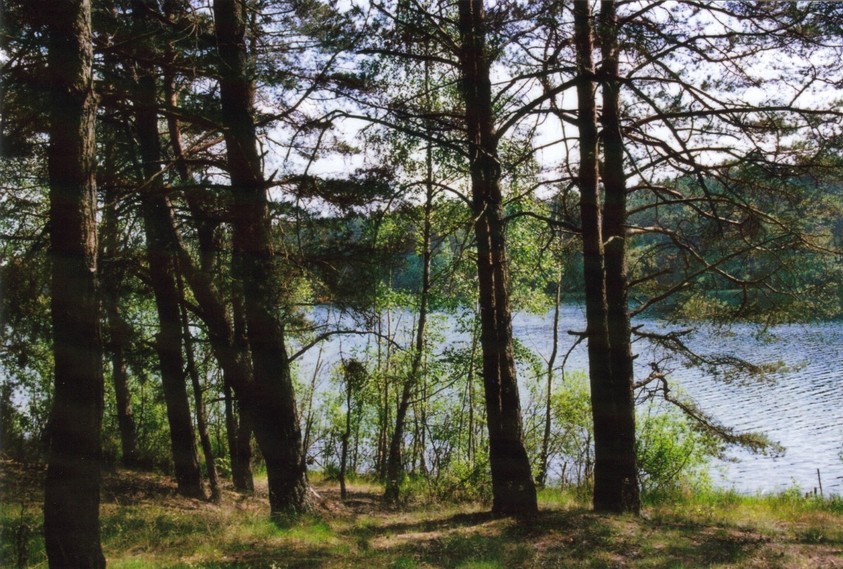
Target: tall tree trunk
72	488
162	255
231	354
513	490
230	349
612	482
119	331
241	462
238	436
620	493
168	344
229	345
272	400
309	411
383	430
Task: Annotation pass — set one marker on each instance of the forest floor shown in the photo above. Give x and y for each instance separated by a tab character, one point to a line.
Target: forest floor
146	525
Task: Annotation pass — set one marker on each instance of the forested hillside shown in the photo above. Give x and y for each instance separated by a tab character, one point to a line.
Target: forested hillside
286	239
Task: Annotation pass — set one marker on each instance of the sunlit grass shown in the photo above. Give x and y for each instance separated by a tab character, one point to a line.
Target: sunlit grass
562	499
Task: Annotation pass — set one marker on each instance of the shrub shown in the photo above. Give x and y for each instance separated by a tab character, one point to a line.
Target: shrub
672	454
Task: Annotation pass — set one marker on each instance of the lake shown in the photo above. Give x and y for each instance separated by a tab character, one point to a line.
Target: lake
799	404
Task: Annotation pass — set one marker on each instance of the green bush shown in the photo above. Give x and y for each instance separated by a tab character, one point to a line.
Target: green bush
460	482
672	454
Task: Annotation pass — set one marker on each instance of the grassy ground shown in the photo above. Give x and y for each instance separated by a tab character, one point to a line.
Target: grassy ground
145	525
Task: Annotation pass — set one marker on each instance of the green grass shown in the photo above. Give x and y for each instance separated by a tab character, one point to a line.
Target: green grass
712	529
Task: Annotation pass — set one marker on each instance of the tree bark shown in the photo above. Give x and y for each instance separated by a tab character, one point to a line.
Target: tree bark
383	415
71	494
513	490
229	346
471	443
241	459
592	239
168	346
615	479
620	492
272	401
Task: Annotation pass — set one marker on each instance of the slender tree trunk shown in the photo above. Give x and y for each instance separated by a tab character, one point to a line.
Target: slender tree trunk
238	437
162	255
420	411
541	478
472	443
119	331
230	423
355	454
394	463
272	400
168	346
383	431
228	343
345	437
198	403
227	339
72	488
595	284
241	463
513	490
309	418
620	492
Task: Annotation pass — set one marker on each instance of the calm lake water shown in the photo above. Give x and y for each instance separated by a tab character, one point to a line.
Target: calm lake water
799	405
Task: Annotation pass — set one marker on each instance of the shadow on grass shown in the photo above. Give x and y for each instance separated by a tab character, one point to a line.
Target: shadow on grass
575	538
256	553
438	524
272	556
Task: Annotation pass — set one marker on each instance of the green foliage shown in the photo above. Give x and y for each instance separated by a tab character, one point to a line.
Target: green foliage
14	440
26	359
672	454
570	446
767	249
152	427
460	482
534	252
21	541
